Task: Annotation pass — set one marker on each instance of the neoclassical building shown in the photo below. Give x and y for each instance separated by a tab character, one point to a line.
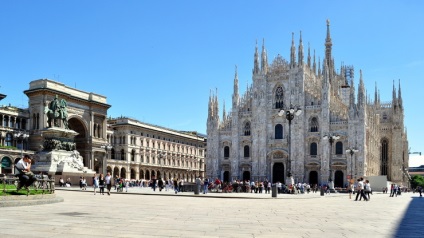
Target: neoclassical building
252	140
123	146
140	150
13	121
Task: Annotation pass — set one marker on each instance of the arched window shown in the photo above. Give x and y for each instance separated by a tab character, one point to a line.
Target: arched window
314	125
384	156
313	149
226	152
133	155
279	98
339	148
278	131
6	121
9	139
247	129
246	151
112	153
122	154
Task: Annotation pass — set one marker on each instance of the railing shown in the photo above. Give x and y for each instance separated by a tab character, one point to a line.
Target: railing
44	184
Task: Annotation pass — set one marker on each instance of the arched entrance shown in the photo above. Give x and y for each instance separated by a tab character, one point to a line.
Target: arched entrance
123	173
246	175
132	174
81	139
6	165
313	177
278	173
226	176
115	172
338	179
147	175
109	169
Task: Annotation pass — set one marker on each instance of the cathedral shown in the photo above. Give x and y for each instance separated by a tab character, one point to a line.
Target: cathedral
306	121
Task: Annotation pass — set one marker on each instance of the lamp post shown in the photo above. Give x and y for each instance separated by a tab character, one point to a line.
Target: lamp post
290	113
331	138
351	151
107	147
21	136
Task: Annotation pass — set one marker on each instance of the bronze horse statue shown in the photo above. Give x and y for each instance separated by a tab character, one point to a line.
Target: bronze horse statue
57	111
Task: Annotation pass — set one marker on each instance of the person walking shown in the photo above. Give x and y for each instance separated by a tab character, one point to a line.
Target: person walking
351	189
108	181
367	189
102	184
176	185
205	185
95	183
360	190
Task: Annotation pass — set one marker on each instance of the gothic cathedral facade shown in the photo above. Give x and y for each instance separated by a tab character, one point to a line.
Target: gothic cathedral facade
254	141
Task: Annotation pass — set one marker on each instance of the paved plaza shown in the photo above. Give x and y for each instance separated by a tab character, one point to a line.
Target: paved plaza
144	213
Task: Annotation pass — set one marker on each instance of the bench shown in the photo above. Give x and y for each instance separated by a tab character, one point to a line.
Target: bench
43	183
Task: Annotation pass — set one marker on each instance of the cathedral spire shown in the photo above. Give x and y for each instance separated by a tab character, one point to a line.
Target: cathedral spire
300	51
376	94
394	94
314	65
236	89
264	59
361	91
224	114
319	66
292	53
256	60
400	96
309	56
352	94
328	45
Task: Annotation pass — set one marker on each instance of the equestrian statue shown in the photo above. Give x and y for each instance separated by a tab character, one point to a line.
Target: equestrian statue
56	112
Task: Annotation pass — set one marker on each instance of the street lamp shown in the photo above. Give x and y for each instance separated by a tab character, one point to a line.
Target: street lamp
107	147
351	151
21	137
290	114
331	138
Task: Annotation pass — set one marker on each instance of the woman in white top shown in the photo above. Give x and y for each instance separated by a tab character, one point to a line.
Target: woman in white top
95	183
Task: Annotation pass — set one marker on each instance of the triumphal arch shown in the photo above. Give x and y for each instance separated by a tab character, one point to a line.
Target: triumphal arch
64	118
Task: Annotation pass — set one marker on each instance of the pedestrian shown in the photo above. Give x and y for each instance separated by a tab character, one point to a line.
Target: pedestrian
83	184
95	183
360	190
367	189
420	190
198	184
154	182
351	189
127	184
160	184
108	181
176	185
102	183
205	185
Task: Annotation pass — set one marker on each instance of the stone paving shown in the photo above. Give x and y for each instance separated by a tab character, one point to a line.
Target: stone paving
144	213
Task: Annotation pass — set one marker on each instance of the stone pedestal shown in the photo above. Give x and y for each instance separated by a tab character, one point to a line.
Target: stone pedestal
59	157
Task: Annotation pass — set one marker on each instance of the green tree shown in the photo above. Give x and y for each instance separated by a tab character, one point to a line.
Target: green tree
417	180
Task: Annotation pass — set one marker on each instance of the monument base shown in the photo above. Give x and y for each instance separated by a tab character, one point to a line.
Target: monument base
62	164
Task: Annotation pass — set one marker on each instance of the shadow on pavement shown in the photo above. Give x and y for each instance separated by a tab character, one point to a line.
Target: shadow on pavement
411	224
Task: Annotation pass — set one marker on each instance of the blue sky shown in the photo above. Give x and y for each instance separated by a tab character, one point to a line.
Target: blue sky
157	61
